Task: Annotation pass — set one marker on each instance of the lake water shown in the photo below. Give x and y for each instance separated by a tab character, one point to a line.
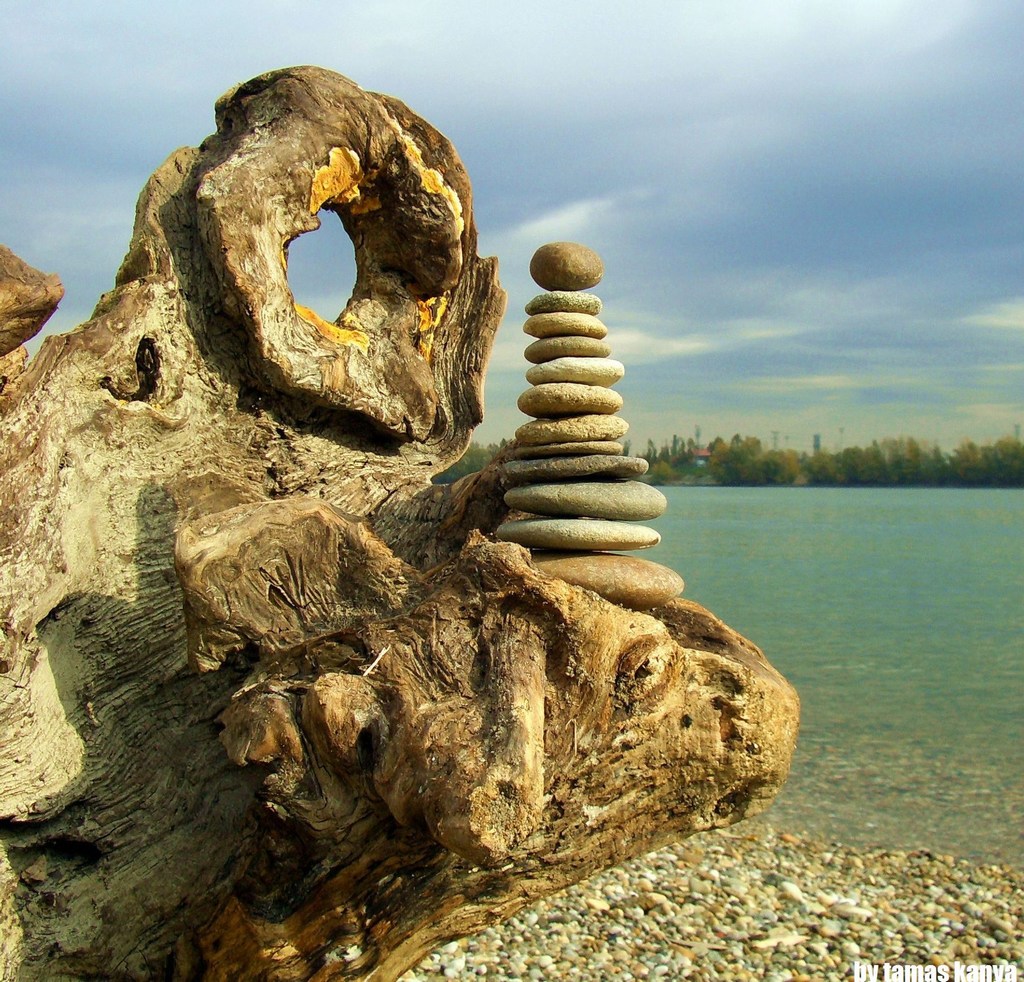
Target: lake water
899	617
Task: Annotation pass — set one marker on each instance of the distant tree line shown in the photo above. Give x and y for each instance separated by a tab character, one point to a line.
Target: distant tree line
743	460
903	462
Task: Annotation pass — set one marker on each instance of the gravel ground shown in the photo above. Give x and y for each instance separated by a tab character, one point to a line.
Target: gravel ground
753	902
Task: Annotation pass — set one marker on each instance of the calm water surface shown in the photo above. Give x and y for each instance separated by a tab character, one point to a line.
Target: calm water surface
899	617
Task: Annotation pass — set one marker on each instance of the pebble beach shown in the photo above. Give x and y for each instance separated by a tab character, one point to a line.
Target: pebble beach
756	902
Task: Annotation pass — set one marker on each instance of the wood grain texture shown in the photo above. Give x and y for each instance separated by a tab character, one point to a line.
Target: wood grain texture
273	705
27	300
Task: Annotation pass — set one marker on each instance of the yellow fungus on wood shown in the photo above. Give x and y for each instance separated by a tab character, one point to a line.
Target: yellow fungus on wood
339	335
431	179
431	311
338	181
360	205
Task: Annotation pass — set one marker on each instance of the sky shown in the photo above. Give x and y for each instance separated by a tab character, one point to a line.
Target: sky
811	214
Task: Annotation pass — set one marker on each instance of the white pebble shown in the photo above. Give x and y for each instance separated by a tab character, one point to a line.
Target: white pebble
852	912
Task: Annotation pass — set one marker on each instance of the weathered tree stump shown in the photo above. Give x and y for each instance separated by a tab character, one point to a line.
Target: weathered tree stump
274	706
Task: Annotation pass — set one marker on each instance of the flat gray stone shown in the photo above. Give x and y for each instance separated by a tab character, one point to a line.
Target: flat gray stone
568	300
518	472
588	371
623	501
577	534
568	399
572	429
625	580
576	347
595	448
564	324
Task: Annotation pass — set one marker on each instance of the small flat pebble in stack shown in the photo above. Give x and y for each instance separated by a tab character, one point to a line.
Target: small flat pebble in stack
569	470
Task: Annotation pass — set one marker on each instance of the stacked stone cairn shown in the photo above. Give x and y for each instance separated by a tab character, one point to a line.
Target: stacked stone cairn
568	471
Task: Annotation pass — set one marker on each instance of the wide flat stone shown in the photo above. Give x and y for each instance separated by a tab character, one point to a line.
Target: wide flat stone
609	448
577	534
563	324
549	303
588	371
576	347
624	501
625	580
572	429
566	266
568	399
518	472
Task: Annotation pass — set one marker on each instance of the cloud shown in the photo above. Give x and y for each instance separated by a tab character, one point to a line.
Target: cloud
575	220
639	347
1007	314
988	416
778	385
1010	368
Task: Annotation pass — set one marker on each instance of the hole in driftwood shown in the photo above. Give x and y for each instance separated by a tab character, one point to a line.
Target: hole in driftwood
322	267
364	749
480	670
730	803
74	850
147	367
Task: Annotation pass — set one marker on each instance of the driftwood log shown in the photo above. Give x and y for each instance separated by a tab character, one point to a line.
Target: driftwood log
27	300
273	705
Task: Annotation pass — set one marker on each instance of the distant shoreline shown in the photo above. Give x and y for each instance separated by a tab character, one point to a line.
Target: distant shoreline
745	462
842	487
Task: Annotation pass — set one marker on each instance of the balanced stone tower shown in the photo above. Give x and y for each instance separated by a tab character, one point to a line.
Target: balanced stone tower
568	470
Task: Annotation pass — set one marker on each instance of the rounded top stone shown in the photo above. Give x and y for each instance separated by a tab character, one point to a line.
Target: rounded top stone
566	266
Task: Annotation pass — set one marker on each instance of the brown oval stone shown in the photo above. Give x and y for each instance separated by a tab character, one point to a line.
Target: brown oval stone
547	349
625	580
564	323
572	429
587	371
568	399
577	534
568	449
619	501
567	468
566	266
